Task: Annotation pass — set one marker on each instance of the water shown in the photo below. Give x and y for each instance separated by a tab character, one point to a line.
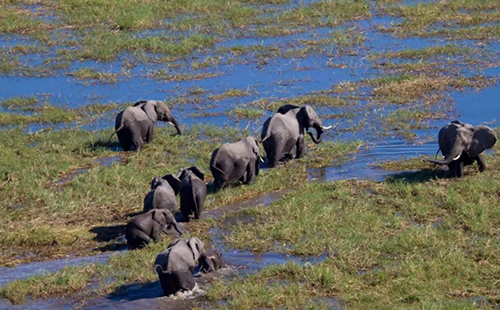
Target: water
275	77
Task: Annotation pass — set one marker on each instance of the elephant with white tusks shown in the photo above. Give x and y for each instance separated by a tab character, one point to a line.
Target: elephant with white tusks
285	129
235	161
462	144
162	194
148	226
193	191
175	265
134	125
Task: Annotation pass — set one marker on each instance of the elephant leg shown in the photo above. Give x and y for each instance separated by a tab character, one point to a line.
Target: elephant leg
169	283
250	173
155	234
137	141
218	184
481	163
150	134
459	169
300	147
138	240
125	142
198	207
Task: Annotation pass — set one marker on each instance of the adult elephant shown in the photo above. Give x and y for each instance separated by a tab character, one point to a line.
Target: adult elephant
193	191
235	161
162	194
286	128
134	125
175	265
462	144
148	226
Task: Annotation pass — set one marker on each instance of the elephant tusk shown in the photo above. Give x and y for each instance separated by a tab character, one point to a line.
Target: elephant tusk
457	157
170	123
327	127
260	158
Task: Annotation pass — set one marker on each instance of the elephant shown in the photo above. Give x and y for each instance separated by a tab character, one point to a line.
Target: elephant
146	226
162	194
193	191
285	129
235	161
134	125
462	144
175	265
211	261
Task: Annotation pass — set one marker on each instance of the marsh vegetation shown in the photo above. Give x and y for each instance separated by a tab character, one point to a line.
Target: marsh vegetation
378	71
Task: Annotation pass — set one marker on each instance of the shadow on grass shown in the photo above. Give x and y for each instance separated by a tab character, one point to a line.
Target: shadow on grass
131	292
108	233
418	176
104	144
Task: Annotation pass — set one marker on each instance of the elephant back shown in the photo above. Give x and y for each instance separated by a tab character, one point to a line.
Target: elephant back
164	198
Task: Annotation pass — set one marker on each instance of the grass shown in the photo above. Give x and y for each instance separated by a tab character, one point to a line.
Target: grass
231	93
415	241
14	20
245	113
19	102
430	51
66	217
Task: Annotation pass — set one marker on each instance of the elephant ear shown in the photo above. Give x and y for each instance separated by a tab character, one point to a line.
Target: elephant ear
484	138
155	182
140	102
309	116
158	216
150	108
285	108
196	247
174	182
255	147
197	172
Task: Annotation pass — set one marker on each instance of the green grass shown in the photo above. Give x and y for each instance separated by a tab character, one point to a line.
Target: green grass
13	20
93	74
430	51
19	102
414	241
231	93
245	113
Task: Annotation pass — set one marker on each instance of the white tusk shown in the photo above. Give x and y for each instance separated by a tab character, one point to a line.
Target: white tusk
171	123
457	157
261	159
326	128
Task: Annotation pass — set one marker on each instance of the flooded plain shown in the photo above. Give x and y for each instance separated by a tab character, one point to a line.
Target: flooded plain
265	70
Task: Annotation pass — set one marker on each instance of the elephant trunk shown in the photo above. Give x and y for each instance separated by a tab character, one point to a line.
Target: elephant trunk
176	124
319	134
454	155
174	224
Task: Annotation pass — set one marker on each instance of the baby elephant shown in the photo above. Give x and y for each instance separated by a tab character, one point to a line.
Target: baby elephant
193	191
162	194
144	227
176	264
211	261
134	125
235	161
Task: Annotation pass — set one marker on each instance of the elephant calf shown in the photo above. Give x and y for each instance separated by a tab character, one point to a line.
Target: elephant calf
175	265
462	144
285	130
162	194
235	161
193	191
147	226
134	125
211	261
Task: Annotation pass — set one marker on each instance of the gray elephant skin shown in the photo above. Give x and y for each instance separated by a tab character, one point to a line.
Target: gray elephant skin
175	265
285	129
193	191
235	161
163	194
148	226
134	125
462	144
211	261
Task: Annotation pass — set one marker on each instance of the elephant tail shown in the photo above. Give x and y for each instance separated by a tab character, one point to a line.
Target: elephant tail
435	156
119	128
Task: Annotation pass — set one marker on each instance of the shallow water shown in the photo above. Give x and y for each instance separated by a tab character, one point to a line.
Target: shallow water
278	78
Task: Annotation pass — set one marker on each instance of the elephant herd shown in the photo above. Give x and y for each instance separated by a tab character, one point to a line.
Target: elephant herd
461	144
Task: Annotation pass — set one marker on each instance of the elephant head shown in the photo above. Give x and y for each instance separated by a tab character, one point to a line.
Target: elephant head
308	118
158	110
165	219
185	172
167	180
254	145
457	138
211	261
